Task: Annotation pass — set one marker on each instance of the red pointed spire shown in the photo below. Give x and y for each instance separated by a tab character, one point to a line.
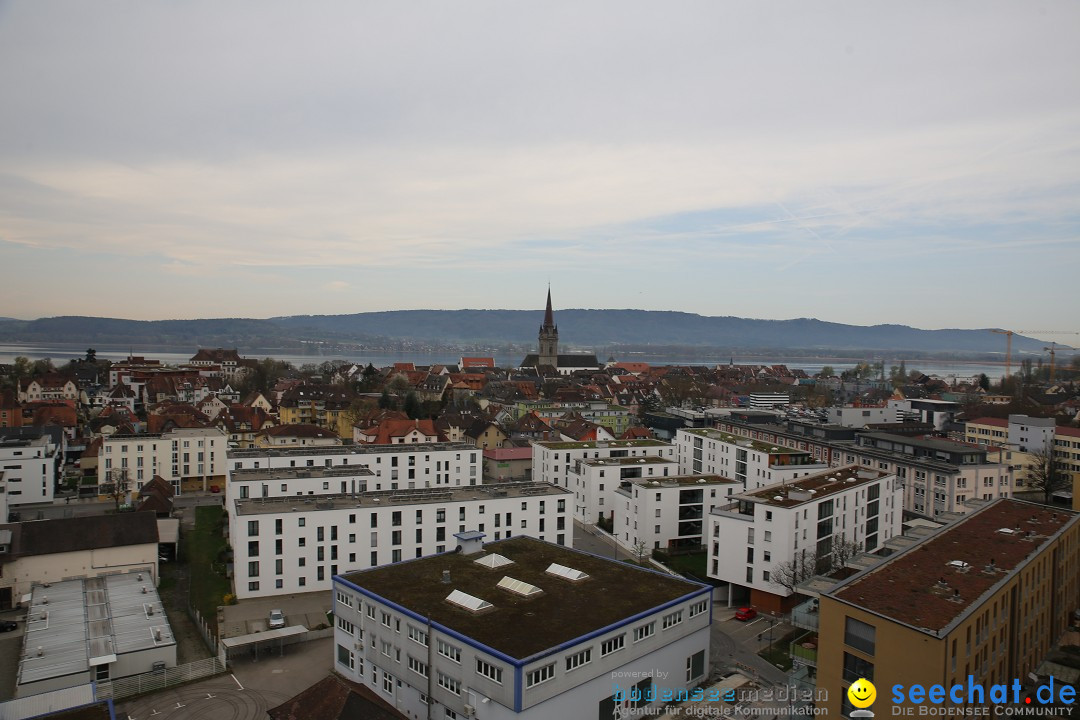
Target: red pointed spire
549	318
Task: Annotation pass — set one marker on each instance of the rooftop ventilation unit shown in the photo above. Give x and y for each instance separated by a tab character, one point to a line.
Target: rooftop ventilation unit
519	587
468	602
566	573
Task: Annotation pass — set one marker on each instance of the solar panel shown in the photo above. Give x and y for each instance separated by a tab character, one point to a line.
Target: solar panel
467	601
518	587
494	560
567	573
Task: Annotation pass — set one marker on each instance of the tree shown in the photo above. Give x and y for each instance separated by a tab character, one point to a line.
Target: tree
827	371
385	401
984	382
118	486
1044	475
412	406
91	355
791	573
43	366
640	551
843	550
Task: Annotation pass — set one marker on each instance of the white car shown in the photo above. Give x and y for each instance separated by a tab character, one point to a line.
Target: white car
277	619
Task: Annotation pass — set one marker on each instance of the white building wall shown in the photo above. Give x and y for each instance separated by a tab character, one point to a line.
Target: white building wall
179	455
594	485
359	538
436	465
719	457
29	471
745	549
552	460
858	417
651	512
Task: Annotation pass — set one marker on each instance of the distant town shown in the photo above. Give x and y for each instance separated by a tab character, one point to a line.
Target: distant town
570	536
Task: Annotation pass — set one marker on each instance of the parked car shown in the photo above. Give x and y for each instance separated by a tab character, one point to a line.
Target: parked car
745	613
277	619
215	489
8	625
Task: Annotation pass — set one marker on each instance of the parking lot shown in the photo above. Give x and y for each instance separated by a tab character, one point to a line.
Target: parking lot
252	616
246	693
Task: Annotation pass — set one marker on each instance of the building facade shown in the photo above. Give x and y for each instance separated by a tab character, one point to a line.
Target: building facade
552	461
751	463
30	465
524	630
668	513
985	598
192	459
766	538
287	545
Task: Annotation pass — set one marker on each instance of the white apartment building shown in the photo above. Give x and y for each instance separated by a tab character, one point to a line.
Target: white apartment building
800	522
29	466
857	417
594	482
764	401
524	630
258	483
752	463
552	461
668	513
938	475
189	458
393	467
297	544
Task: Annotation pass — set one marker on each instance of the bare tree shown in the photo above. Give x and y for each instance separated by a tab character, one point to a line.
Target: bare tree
118	486
843	550
640	550
1044	475
797	570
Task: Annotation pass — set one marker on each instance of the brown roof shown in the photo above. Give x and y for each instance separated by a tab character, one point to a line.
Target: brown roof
335	698
613	593
157	485
91	532
299	430
909	589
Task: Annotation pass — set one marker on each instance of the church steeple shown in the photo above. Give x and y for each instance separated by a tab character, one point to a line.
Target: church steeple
549	337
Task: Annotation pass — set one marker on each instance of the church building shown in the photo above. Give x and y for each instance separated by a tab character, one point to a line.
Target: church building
548	357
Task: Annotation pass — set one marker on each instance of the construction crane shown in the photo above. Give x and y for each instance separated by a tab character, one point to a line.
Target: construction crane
1008	345
1051	350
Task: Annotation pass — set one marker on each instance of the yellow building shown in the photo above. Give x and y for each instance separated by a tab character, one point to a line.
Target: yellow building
985	597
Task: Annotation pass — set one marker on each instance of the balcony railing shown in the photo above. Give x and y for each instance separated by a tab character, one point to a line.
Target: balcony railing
805	650
805	615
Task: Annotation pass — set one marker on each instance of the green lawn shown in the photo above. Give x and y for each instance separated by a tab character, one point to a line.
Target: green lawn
205	550
781	651
696	564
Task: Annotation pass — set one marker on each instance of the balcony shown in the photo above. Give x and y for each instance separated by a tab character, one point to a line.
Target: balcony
805	615
804	650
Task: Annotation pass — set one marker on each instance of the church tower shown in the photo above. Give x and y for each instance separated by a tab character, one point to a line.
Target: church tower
549	338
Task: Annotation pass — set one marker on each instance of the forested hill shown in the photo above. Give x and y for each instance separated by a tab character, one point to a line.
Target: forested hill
583	328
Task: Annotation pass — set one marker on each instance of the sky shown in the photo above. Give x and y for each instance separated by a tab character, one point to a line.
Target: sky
858	162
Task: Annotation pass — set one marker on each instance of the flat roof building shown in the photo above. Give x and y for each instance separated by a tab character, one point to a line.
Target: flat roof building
534	629
986	596
91	630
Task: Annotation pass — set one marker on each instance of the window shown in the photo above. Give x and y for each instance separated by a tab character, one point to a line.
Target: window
698	608
855	667
345	625
695	666
385	619
859	635
612	645
301	522
643	631
540	675
491	672
672	619
417	667
418	636
449	651
448	683
345	657
253	527
578	659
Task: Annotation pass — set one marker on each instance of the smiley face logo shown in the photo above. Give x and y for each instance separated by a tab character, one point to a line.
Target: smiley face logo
862	693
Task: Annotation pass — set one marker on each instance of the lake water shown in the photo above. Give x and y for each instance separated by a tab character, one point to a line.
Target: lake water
61	353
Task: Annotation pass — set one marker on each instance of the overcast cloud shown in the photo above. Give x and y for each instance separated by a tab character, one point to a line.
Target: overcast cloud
858	162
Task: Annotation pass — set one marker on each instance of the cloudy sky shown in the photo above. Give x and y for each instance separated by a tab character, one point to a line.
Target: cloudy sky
859	162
